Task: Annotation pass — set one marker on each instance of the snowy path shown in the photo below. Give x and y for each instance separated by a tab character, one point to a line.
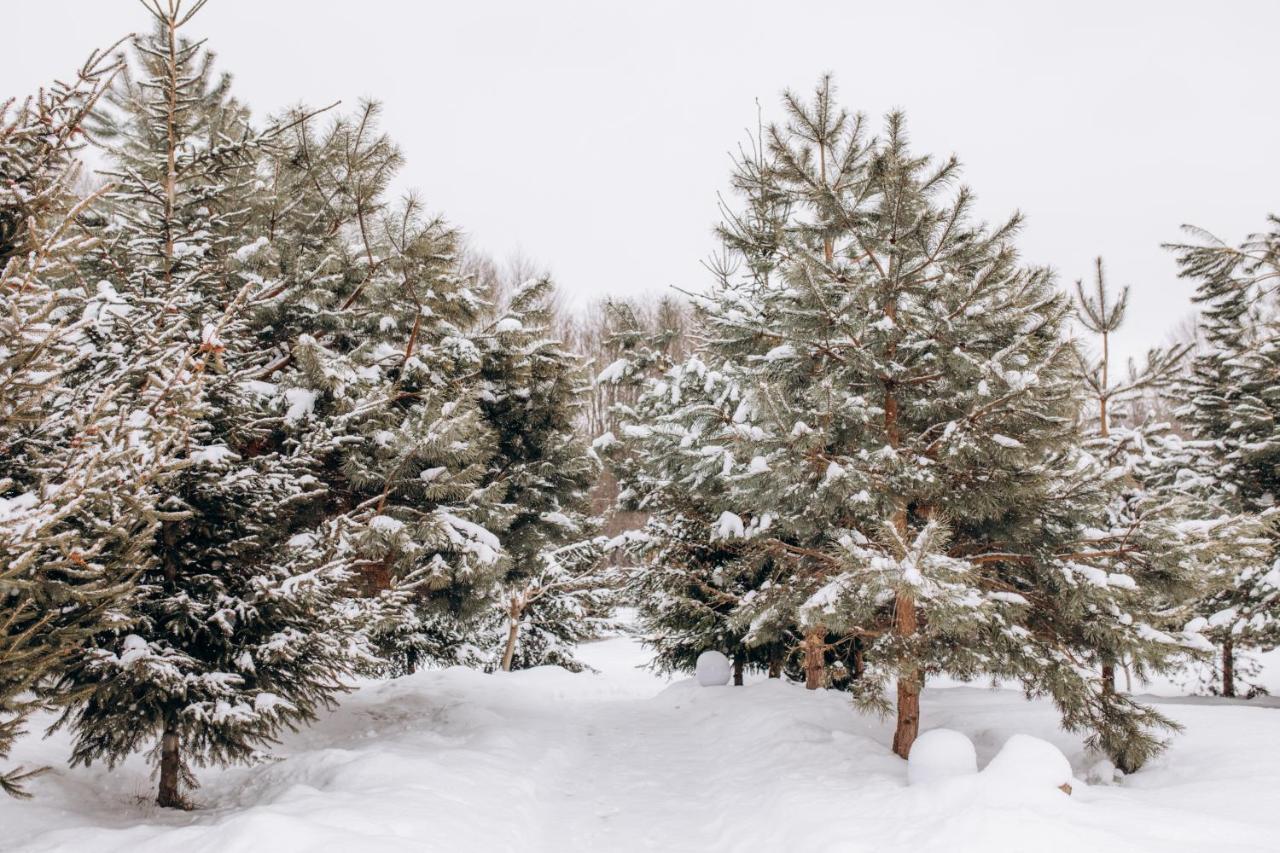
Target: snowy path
458	761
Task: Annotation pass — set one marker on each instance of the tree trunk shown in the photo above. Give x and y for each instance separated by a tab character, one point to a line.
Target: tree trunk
513	633
908	725
814	646
1109	679
775	664
1228	668
170	765
737	671
858	664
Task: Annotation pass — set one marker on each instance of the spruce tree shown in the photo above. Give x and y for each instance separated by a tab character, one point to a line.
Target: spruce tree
226	641
1233	408
79	468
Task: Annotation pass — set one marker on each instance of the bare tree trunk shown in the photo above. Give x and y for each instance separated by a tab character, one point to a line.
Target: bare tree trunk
513	632
1228	668
908	723
775	664
1109	679
814	646
170	765
858	664
737	671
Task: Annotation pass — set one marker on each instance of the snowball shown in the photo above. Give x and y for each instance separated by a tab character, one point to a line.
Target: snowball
1031	762
940	754
713	669
1103	772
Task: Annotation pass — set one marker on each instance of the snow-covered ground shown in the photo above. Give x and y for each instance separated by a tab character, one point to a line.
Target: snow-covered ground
545	760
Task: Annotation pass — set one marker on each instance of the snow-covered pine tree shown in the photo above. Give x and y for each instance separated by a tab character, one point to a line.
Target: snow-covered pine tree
223	647
1122	444
689	575
1159	544
531	392
78	469
905	399
375	355
1233	408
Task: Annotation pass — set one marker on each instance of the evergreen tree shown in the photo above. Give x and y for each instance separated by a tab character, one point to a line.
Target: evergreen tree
896	432
227	640
78	469
1233	408
375	350
531	393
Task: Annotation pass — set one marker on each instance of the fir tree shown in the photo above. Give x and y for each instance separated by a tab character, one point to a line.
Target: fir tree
531	394
227	642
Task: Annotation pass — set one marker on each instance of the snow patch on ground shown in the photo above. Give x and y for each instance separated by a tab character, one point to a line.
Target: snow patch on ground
620	760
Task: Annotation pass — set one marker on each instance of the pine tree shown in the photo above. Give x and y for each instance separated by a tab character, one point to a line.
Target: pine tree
381	354
897	429
228	639
1233	408
78	468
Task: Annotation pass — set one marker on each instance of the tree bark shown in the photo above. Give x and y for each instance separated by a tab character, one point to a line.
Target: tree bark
170	796
1109	679
1228	668
513	633
814	646
775	664
858	664
908	723
737	671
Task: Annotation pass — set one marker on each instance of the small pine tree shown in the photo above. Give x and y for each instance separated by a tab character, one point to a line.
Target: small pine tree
1233	408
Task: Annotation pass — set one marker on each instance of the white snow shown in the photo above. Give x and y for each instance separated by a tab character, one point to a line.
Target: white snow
729	526
1031	762
941	754
459	761
712	669
302	401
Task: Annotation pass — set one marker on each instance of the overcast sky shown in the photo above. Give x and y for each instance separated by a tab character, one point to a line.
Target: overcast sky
594	137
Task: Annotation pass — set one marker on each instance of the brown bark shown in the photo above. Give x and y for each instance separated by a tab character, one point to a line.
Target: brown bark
170	796
513	632
775	664
737	671
1109	679
1228	668
858	664
908	723
814	647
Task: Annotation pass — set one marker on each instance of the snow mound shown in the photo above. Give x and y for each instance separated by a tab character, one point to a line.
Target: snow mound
713	669
941	754
1030	762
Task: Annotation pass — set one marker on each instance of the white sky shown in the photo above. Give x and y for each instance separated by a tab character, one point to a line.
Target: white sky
594	137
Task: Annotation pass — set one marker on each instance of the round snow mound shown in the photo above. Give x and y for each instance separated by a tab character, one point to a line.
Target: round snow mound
940	754
1029	761
713	669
